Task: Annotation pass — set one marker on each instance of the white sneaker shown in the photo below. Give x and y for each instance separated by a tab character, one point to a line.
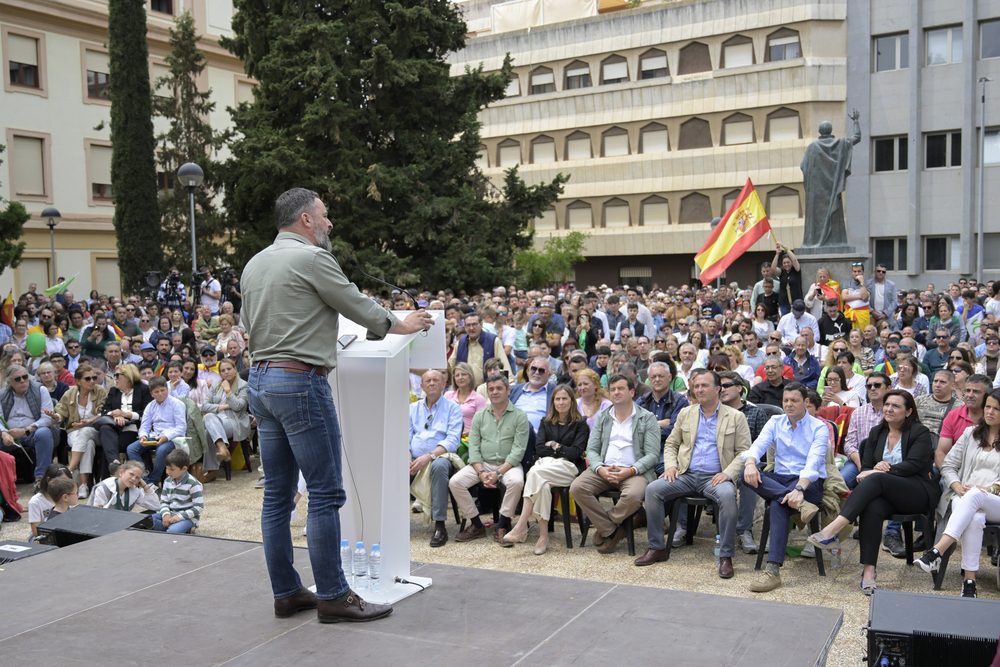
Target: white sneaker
747	543
809	551
83	492
303	531
295	514
260	483
679	537
416	507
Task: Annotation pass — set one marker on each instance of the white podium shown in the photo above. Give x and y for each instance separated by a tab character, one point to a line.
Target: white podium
371	389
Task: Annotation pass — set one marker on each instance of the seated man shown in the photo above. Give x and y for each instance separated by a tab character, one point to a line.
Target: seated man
25	406
700	458
163	420
498	438
772	389
533	396
796	485
435	429
207	325
664	403
622	452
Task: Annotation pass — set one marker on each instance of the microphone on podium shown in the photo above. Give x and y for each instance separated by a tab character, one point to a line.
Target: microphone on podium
354	262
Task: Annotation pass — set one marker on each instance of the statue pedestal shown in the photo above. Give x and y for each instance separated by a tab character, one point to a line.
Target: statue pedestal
838	259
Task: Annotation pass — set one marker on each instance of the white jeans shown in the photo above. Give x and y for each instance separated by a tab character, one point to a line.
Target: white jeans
969	515
84	440
546	473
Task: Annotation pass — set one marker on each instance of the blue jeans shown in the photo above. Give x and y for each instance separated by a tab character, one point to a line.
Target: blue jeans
183	526
41	442
298	429
137	449
850	474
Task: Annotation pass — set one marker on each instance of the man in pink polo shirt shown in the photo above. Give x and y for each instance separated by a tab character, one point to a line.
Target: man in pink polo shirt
970	414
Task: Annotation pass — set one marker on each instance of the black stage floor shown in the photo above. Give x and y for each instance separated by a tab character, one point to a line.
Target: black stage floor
143	598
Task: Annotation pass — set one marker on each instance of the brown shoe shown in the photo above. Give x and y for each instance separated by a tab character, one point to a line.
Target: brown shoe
470	533
287	607
498	537
652	556
611	542
353	609
639	520
598	539
440	537
726	567
807	511
210	476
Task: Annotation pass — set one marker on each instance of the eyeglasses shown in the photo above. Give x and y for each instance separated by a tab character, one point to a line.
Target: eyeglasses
939	337
956	357
727	385
536	369
19	378
879	270
145	320
993	342
208	353
89	378
838	350
875	385
774	354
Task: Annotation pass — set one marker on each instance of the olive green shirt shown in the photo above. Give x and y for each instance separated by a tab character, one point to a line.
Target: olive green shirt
293	295
493	442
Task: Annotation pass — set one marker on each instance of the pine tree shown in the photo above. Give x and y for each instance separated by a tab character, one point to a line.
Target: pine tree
189	139
12	221
356	101
133	171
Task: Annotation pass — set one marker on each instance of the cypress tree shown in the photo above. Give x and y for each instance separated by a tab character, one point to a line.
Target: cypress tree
133	171
356	101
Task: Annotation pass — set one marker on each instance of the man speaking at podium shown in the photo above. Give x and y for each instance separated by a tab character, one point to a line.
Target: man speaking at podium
293	292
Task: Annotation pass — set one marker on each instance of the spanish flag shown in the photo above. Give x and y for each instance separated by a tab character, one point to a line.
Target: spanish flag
743	225
7	310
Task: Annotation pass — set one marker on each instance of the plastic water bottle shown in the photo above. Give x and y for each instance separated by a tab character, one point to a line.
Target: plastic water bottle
835	557
718	548
345	561
374	566
360	567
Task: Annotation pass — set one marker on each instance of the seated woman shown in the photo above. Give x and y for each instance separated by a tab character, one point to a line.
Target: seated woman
226	410
125	489
736	364
971	476
962	371
462	393
560	446
197	388
837	347
46	374
836	393
123	410
909	378
229	332
78	409
593	397
896	478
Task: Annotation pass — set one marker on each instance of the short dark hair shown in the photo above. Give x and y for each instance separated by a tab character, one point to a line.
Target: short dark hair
813	397
60	486
979	378
291	204
705	371
846	355
799	388
157	381
604	349
178	459
618	377
832	302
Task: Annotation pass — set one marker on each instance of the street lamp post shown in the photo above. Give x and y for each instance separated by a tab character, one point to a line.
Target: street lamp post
191	176
51	215
982	172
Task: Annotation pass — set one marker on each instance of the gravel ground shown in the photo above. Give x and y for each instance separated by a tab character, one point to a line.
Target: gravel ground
233	511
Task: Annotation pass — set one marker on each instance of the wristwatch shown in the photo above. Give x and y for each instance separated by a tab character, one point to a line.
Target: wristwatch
434	457
798	487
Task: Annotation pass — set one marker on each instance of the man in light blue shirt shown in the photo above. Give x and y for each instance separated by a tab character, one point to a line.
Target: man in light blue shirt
533	396
435	429
796	485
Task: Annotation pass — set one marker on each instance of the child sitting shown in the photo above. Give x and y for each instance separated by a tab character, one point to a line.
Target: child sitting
62	491
181	500
163	420
125	489
40	503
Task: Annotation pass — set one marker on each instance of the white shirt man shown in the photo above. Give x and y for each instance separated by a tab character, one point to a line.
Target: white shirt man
211	291
790	326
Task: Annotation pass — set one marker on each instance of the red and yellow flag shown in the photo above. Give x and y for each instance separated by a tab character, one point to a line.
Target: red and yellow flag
7	310
743	225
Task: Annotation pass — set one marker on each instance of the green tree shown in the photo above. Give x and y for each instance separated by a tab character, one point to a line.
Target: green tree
190	138
356	102
12	221
133	171
553	262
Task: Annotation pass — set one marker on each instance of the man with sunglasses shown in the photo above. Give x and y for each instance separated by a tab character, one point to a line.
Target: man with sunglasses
26	424
937	358
73	355
882	294
533	396
733	388
772	349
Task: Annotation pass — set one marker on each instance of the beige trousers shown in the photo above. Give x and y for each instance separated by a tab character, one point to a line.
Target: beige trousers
467	477
589	484
546	473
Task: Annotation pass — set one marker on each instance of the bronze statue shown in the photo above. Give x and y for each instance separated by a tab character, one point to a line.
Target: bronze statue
825	168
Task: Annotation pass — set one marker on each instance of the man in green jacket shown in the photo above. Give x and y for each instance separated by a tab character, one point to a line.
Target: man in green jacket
623	449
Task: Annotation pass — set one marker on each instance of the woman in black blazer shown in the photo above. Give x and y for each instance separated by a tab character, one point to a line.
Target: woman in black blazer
120	428
896	478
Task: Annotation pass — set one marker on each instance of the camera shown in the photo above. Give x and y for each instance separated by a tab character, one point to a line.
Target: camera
198	278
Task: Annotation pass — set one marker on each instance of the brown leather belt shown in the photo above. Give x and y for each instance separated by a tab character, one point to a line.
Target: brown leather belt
292	367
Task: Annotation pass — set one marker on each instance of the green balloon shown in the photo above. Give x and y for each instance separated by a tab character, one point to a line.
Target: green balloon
36	344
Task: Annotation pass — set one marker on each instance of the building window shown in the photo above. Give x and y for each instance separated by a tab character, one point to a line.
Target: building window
942	253
694	58
543	149
889	153
696	207
783	125
27	166
614	70
483	158
654	211
653	139
636	276
513	87
728	200
578	75
991	154
614	142
578	146
943	150
653	64
22	60
944	45
579	215
989	39
245	92
695	133
737	52
737	129
616	213
164	181
543	81
783	203
97	75
892	52
991	251
159	73
891	252
509	153
547	220
99	172
783	45
162	6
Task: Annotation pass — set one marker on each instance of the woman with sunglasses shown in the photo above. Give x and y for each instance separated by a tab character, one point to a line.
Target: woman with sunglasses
962	370
947	319
762	323
77	411
989	363
122	412
909	378
146	327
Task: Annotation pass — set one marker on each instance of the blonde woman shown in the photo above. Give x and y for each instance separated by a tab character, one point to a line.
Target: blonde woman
462	393
592	396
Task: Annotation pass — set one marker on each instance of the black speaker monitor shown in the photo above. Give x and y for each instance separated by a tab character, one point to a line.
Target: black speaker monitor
85	522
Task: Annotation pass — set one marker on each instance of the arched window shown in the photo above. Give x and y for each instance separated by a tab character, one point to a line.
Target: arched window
694	58
737	129
483	158
728	200
616	213
783	125
579	215
653	139
695	133
783	202
547	220
579	147
614	69
654	211
514	86
577	75
737	52
509	153
614	142
653	64
542	81
543	149
783	45
696	207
